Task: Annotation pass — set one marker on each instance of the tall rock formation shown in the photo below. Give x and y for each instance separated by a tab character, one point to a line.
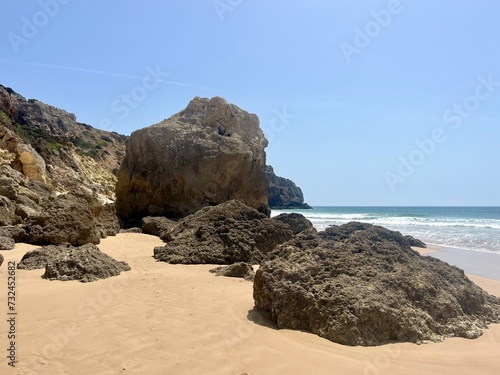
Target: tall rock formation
209	153
282	193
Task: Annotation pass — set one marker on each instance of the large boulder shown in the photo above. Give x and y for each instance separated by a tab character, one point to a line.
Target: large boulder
85	263
209	153
67	218
228	233
359	284
283	193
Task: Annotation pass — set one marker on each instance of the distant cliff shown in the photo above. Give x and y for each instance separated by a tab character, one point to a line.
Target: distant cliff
47	144
282	193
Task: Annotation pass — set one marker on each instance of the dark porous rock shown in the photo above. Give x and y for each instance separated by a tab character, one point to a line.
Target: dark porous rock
296	221
207	154
6	243
67	218
415	242
1	260
241	270
85	263
17	233
156	225
39	258
359	284
131	230
224	234
282	193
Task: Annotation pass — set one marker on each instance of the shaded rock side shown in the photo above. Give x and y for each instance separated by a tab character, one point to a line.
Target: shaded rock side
359	284
282	193
1	260
85	263
157	225
228	233
240	270
209	153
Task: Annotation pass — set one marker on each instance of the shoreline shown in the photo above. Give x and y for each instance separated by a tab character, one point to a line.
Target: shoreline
477	263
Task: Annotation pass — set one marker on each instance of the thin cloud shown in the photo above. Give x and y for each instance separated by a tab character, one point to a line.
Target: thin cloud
101	72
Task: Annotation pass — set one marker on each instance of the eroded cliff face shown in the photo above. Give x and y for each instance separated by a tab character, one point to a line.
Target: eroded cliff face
282	193
47	144
207	154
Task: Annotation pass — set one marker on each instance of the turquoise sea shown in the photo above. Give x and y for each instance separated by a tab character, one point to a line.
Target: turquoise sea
468	228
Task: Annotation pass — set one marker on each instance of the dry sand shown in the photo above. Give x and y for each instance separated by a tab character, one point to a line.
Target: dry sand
175	319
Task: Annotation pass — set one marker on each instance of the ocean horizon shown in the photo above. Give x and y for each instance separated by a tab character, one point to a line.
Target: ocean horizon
475	228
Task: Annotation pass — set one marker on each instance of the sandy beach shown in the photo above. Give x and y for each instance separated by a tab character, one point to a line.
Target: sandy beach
176	319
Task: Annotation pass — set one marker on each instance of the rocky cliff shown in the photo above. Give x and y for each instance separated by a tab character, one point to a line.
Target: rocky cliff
56	175
282	193
209	153
47	144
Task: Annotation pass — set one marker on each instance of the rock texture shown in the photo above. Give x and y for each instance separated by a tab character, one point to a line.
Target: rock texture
415	242
359	284
297	222
282	193
85	263
1	260
157	225
71	218
209	153
31	212
228	233
6	243
240	270
47	144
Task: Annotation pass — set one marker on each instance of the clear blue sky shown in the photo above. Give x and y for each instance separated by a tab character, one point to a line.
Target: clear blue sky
343	89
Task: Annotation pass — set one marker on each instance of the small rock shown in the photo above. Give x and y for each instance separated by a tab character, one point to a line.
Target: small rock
240	269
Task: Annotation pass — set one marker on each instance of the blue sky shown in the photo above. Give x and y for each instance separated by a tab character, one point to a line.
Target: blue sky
364	103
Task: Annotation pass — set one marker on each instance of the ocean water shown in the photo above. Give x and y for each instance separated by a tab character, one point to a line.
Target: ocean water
468	228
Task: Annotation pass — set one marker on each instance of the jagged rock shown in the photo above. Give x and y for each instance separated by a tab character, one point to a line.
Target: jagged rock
359	284
241	270
282	193
38	258
6	243
156	225
67	218
297	222
8	212
85	263
17	233
227	233
415	242
209	153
